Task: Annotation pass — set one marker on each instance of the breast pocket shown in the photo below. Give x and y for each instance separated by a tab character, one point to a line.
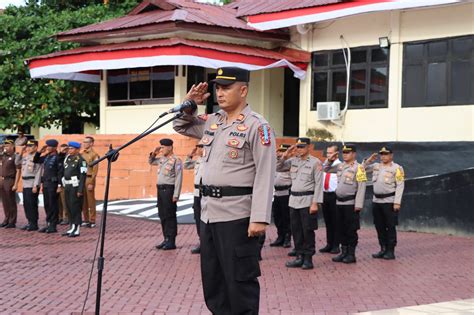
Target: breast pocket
293	172
389	178
306	174
349	178
206	141
234	152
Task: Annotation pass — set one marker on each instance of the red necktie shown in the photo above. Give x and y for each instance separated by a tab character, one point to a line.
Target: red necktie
326	181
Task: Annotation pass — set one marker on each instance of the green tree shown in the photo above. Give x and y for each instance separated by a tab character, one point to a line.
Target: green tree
28	31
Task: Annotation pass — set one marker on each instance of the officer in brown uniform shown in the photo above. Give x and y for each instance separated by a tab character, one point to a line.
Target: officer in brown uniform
190	164
237	186
63	213
306	197
388	179
350	194
89	207
280	209
170	179
31	176
9	177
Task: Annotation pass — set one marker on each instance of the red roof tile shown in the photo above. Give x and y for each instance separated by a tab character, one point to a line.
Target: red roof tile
255	7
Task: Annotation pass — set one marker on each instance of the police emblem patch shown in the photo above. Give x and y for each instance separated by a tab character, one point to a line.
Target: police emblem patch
233	142
242	127
233	154
214	127
264	132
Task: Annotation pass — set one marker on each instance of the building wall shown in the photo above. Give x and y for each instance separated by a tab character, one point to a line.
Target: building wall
444	123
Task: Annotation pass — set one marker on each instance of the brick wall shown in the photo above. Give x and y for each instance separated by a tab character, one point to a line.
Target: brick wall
132	176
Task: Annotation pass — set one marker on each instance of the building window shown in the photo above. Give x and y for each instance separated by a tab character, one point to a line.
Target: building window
140	86
369	78
438	72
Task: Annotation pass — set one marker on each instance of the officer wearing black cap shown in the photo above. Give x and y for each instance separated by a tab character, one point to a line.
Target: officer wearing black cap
170	179
350	195
52	173
281	197
237	186
10	173
306	197
388	180
31	176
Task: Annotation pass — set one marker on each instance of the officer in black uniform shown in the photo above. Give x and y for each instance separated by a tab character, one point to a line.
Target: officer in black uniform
75	169
51	180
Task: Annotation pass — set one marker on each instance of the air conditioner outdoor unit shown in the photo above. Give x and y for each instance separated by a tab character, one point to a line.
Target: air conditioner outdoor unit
328	110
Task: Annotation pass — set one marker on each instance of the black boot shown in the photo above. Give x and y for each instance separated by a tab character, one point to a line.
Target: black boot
278	242
307	262
292	253
380	254
51	228
196	250
389	253
297	263
341	256
171	244
350	257
335	250
325	249
160	246
287	241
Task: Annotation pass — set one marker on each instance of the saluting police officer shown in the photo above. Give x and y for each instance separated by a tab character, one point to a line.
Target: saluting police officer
280	209
31	176
75	169
350	194
10	173
51	180
306	197
237	185
170	179
190	164
388	180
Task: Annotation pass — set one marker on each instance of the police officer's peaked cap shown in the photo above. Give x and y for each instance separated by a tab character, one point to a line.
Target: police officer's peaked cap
52	143
166	142
8	141
386	149
74	144
32	142
284	147
303	141
349	148
229	75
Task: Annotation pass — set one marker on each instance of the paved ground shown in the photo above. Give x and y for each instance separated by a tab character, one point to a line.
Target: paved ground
48	274
454	307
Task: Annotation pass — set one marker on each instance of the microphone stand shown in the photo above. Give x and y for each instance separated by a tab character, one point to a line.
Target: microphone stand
112	156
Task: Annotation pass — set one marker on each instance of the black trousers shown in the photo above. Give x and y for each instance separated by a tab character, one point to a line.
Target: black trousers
229	268
348	222
51	204
74	204
197	214
281	215
167	211
385	220
329	213
30	202
303	225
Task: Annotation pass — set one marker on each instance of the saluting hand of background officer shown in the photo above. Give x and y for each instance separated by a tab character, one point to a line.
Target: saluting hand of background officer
333	156
289	153
372	158
43	149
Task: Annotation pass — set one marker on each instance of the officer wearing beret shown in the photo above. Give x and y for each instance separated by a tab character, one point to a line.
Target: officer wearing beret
10	173
190	164
170	179
280	209
306	197
51	181
388	180
237	186
75	170
350	195
31	176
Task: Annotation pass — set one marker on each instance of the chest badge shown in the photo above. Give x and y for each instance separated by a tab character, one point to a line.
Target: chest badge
242	127
233	142
214	127
233	154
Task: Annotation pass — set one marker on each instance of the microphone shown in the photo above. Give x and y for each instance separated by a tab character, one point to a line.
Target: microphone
181	107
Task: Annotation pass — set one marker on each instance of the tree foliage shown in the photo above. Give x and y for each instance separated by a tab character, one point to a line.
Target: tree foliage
27	32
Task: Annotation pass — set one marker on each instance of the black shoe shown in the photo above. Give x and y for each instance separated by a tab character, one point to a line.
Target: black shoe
10	226
350	257
160	246
196	250
169	246
307	262
278	242
297	263
380	254
32	228
4	224
25	227
292	253
51	229
287	241
325	249
43	229
390	253
341	256
335	250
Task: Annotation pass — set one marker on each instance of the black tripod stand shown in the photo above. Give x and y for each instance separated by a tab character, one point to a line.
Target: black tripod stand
112	156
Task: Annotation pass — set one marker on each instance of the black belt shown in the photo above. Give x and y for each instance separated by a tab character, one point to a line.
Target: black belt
329	192
27	177
165	186
384	195
346	198
226	191
280	188
301	193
